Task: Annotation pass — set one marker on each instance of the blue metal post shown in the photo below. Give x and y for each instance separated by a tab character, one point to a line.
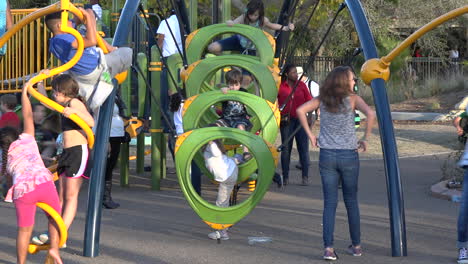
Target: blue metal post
387	135
96	186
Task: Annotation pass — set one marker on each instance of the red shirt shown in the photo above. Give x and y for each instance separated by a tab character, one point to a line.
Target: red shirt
301	95
10	119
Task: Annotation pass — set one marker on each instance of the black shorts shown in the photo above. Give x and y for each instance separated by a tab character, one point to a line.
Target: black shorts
73	161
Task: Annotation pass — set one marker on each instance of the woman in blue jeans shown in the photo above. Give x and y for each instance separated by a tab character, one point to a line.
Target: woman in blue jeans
339	146
462	225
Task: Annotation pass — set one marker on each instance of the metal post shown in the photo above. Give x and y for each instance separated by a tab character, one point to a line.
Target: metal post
281	20
156	128
193	10
392	171
215	12
96	185
93	217
142	63
125	147
226	10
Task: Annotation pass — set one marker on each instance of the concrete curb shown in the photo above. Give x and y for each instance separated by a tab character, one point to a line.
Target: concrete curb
440	190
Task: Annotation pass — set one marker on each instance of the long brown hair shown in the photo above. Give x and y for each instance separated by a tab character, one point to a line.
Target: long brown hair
65	84
7	136
335	88
252	7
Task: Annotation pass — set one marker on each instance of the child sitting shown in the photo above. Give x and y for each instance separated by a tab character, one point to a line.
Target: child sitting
234	113
225	171
94	69
9	118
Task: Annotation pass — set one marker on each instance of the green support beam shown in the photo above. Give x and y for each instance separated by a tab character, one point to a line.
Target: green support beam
158	169
142	62
125	147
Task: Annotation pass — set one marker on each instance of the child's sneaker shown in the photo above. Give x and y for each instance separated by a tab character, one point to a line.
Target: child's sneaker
355	251
221	234
36	241
247	156
44	238
462	256
330	254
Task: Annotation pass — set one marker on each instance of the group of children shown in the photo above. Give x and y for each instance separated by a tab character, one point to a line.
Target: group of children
85	86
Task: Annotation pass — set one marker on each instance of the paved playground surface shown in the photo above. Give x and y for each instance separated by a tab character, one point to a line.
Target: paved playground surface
160	227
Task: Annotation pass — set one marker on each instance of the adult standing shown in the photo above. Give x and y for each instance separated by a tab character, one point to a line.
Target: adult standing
289	121
96	8
338	159
116	138
6	22
313	87
169	47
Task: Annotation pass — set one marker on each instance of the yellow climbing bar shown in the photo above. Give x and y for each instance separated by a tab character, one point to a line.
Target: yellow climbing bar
28	19
79	51
379	68
33	249
43	99
420	32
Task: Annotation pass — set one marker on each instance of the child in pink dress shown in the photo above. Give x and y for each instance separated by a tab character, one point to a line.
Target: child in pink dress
31	182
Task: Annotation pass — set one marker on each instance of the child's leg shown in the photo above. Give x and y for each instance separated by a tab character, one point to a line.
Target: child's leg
225	189
25	213
242	127
50	198
231	43
22	243
54	239
71	189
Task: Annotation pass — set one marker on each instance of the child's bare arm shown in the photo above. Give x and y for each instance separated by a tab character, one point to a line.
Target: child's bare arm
78	108
238	20
456	124
26	110
275	26
90	39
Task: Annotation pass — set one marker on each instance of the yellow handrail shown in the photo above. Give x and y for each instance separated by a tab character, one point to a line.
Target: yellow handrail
33	249
379	68
66	7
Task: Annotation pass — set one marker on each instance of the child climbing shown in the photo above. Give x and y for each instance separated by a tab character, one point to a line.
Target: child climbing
234	113
93	69
225	171
253	16
74	158
31	182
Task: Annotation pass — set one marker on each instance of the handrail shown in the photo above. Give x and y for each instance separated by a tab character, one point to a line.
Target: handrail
66	7
62	228
379	68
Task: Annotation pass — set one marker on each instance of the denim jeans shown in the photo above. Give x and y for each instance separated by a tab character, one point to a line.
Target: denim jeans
462	225
336	164
302	144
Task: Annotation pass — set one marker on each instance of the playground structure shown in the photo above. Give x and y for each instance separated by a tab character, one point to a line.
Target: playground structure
202	96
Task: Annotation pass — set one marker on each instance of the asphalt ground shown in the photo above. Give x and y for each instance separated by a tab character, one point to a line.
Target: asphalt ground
160	227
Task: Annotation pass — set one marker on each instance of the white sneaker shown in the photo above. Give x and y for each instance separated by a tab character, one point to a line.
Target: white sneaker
36	241
462	256
44	238
220	234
